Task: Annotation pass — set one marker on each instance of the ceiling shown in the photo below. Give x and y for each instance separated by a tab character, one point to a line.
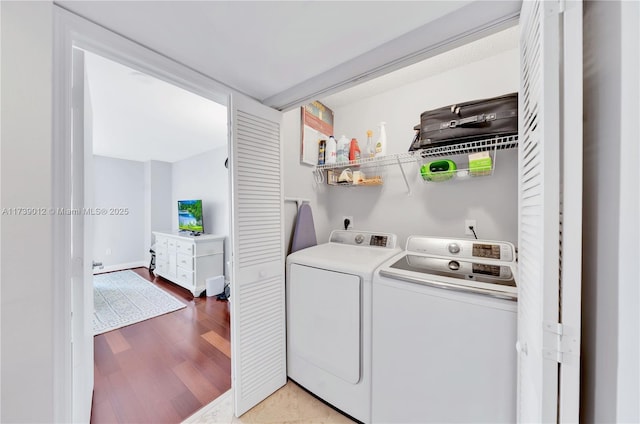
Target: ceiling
474	51
273	51
263	48
138	117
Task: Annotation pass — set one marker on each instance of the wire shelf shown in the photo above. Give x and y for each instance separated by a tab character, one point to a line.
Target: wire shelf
494	143
488	144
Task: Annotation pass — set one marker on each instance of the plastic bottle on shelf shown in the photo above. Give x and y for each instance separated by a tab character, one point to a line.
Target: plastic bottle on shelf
330	151
343	149
354	150
381	144
322	147
371	148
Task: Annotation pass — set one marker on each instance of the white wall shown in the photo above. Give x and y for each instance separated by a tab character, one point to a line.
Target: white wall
119	183
27	290
204	177
628	402
610	334
158	200
151	190
299	182
433	208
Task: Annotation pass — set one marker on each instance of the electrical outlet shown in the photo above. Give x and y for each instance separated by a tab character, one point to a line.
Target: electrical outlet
350	218
470	223
108	251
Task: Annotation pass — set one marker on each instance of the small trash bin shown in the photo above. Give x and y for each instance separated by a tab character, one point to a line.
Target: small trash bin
215	285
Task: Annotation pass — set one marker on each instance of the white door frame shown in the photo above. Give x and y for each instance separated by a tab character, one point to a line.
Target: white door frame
72	31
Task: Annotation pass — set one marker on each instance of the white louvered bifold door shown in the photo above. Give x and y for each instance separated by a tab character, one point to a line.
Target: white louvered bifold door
539	213
257	278
571	213
550	211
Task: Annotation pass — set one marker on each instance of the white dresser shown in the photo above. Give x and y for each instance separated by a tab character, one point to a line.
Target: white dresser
189	260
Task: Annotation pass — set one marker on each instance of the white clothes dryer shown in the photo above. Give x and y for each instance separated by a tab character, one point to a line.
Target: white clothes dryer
329	317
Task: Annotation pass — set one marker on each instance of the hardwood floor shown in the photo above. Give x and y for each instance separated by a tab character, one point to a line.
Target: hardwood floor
166	368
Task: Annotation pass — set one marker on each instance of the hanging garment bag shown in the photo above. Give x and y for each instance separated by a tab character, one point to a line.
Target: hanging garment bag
469	121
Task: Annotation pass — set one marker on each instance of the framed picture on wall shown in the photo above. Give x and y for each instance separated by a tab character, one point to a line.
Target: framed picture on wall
317	124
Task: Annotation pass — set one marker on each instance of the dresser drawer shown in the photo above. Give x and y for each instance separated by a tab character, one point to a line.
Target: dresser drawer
161	242
171	245
161	268
185	261
185	278
161	255
185	247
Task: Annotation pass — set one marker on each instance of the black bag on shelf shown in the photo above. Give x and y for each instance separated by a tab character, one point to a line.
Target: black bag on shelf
469	121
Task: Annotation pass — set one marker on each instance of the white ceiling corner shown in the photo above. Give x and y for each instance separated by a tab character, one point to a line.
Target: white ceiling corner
474	51
139	117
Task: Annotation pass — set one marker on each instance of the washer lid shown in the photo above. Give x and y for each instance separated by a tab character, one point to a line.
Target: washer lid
343	258
480	276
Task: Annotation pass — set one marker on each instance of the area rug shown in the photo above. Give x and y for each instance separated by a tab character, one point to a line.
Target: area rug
123	298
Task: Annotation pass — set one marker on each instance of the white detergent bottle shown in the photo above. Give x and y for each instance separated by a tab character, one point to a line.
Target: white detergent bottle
331	151
343	149
381	144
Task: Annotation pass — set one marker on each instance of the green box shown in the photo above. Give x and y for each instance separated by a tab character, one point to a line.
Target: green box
480	164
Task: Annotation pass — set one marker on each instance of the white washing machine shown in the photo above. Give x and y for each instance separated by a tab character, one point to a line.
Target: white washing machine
444	333
329	317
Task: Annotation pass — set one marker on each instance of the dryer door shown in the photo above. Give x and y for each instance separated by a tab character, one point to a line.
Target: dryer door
324	325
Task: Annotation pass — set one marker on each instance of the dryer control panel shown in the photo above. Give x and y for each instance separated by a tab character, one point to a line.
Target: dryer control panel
363	238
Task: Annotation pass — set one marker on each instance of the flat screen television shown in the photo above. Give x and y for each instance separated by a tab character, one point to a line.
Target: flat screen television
190	216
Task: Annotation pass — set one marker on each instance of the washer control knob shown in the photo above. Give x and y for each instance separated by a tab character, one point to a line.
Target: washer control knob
454	248
454	265
359	239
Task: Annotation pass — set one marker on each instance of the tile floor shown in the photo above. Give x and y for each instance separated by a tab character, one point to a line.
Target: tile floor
291	405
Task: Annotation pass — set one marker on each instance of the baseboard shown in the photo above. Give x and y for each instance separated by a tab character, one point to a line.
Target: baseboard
120	267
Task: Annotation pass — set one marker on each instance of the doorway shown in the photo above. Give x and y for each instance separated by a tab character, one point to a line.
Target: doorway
147	144
153	144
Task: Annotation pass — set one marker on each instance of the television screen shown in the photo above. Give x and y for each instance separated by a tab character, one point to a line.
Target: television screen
190	216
